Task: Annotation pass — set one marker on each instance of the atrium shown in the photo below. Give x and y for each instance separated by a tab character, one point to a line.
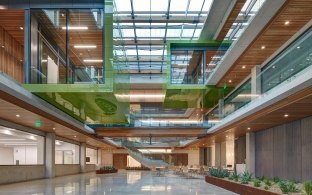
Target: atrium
152	94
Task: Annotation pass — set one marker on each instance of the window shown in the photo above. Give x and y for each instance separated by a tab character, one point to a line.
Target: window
20	148
69	45
66	153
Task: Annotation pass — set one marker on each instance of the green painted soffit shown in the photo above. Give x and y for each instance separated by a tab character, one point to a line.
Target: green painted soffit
194	97
89	108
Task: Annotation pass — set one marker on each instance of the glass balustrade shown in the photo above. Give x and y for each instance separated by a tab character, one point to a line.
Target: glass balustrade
288	65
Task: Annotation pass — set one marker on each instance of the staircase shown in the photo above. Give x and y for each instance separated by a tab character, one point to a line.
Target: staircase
140	157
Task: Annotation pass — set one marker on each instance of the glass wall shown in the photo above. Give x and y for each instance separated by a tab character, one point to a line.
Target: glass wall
66	153
91	156
67	46
238	98
187	66
20	148
292	60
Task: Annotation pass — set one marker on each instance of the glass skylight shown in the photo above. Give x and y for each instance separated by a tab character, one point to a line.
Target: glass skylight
146	28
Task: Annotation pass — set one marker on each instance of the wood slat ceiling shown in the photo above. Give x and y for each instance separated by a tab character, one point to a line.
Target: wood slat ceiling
28	118
297	106
11	21
230	20
274	35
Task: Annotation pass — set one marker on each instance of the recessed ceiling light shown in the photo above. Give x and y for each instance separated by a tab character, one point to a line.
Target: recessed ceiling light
53	128
75	136
22	28
286	22
230	81
84	46
243	67
91	60
286	115
263	47
298	47
76	28
248	128
17	115
273	66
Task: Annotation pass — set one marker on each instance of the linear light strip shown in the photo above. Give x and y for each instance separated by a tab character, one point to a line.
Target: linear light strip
75	28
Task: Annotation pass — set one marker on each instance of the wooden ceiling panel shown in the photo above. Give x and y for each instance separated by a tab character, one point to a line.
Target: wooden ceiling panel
274	35
11	21
27	118
230	20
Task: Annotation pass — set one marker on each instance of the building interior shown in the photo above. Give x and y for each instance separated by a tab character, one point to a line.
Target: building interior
150	87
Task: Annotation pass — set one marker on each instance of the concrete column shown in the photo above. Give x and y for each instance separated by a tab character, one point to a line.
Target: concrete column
218	154
99	157
255	80
202	156
82	157
27	48
50	155
250	152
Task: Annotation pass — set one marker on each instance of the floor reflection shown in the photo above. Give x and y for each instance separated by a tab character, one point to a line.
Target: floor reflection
123	183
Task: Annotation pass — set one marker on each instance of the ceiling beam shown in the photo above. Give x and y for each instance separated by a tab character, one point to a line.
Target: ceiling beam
154	132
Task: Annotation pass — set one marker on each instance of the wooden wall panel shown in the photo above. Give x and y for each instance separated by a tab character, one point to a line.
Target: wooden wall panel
120	161
264	153
306	141
240	150
11	56
285	151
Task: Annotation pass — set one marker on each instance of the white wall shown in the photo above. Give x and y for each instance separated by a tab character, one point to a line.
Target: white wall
92	154
131	162
230	153
53	71
107	158
25	155
6	156
193	157
213	156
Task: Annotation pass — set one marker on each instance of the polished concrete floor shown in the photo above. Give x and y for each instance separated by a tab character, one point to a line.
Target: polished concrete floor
123	183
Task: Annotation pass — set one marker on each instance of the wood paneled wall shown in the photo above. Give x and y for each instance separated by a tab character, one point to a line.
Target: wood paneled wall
240	150
11	56
120	161
285	151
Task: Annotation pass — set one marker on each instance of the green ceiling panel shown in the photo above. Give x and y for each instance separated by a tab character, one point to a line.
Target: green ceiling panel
90	108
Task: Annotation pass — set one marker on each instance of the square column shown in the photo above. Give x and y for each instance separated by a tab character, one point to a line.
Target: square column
251	152
82	157
256	80
217	154
50	155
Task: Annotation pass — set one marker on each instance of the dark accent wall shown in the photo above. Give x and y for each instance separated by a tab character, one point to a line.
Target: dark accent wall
285	151
240	150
